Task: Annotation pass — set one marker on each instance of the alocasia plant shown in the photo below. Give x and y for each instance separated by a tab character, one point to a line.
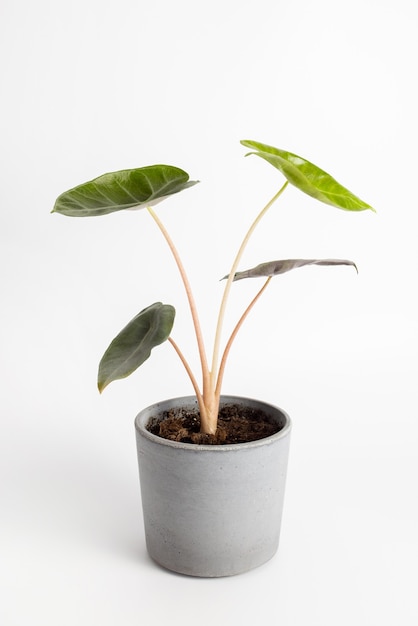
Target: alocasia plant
145	187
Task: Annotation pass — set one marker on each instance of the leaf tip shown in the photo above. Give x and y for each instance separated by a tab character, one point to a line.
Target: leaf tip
247	144
101	385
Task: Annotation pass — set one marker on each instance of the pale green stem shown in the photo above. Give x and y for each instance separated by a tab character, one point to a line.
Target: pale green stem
216	347
190	298
232	337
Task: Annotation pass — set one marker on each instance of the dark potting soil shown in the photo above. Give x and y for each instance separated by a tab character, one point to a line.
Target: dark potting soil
236	424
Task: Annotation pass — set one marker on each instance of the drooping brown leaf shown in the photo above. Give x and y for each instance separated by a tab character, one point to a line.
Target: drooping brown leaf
272	268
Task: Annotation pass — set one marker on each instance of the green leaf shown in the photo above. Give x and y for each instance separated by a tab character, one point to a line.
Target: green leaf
133	345
308	177
125	189
272	268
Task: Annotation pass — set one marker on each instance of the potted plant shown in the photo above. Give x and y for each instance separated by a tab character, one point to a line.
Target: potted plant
212	467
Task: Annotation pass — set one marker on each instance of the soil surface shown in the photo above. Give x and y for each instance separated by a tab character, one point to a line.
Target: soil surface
236	424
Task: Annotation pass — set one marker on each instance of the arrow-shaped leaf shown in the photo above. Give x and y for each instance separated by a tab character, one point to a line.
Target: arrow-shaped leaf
124	189
133	345
308	177
272	268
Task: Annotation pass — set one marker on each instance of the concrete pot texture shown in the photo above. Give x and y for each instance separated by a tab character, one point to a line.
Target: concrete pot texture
212	510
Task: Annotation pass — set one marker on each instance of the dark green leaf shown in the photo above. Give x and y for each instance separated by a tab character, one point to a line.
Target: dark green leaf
133	345
308	177
125	189
273	268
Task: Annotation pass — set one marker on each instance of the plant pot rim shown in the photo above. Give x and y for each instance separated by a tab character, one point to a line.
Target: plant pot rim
143	417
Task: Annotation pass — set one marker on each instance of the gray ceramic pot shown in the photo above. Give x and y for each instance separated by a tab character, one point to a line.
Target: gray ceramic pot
212	510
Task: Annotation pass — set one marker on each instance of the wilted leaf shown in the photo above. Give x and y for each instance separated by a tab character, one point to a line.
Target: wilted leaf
133	345
125	189
308	177
272	268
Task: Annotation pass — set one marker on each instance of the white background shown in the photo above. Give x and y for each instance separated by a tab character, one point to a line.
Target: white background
90	87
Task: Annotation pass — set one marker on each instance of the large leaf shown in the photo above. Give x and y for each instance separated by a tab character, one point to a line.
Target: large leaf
308	177
272	268
125	189
133	345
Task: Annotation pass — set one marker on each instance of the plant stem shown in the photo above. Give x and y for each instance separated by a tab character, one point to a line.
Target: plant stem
232	337
190	298
216	347
208	399
197	391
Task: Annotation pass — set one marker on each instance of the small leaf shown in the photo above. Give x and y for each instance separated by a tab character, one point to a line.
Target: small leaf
308	177
125	189
273	268
133	345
